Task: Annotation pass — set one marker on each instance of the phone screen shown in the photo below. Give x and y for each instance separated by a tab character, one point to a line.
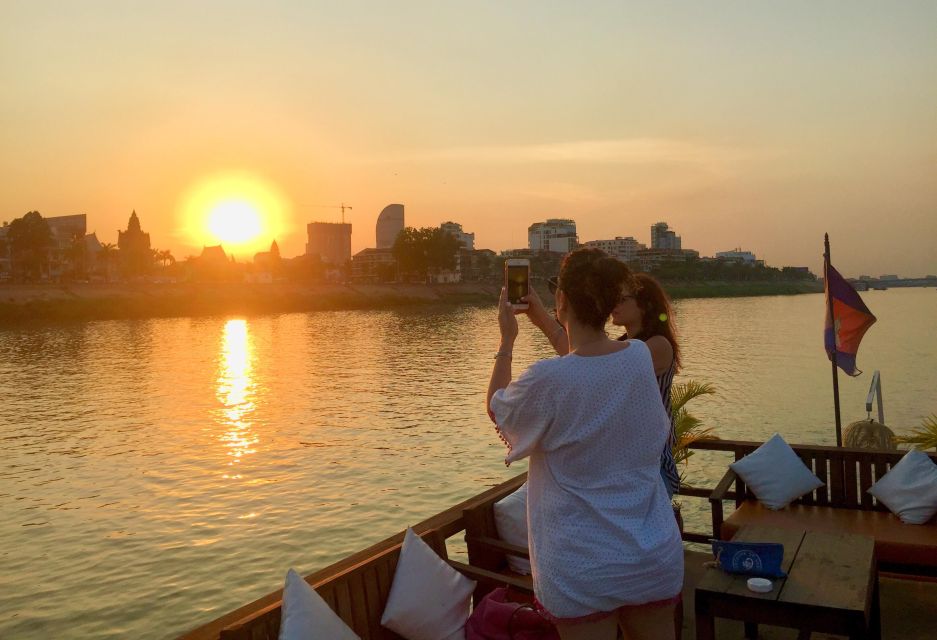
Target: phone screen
518	276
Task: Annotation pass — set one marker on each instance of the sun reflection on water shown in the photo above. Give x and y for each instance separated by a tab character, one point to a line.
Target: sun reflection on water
235	392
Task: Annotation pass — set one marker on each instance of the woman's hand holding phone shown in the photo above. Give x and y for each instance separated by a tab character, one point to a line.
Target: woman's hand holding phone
506	320
535	310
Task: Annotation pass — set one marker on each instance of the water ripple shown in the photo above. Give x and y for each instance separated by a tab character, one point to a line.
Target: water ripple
189	462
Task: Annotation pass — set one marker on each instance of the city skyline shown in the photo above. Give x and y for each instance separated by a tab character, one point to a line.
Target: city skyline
742	126
330	240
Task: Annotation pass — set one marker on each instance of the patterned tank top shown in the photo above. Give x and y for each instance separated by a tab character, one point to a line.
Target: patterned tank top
668	467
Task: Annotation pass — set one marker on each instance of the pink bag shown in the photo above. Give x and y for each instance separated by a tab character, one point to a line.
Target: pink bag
497	618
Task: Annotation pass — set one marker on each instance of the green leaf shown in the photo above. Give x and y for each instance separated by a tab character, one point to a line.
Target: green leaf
924	437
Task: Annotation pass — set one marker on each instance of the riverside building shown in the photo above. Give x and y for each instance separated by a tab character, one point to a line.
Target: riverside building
556	235
389	225
467	240
625	249
331	241
662	237
739	256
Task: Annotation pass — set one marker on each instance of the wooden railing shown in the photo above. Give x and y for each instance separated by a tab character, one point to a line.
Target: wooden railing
356	587
737	448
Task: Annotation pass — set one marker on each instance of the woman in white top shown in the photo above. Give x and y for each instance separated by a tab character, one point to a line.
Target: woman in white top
604	546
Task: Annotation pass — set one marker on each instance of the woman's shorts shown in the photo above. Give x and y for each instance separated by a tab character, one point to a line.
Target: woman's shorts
599	615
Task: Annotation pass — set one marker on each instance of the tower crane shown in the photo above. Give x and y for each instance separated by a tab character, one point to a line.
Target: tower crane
341	206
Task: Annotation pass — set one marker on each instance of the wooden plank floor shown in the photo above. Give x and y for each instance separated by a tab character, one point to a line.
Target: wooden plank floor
907	607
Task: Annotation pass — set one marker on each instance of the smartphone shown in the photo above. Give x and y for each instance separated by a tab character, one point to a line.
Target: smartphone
517	280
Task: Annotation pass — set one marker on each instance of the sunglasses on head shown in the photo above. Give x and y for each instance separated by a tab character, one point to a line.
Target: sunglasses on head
553	284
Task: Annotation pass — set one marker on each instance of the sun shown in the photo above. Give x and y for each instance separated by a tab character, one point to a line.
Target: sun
240	211
235	221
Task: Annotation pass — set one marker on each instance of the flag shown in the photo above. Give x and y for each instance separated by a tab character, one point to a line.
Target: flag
851	319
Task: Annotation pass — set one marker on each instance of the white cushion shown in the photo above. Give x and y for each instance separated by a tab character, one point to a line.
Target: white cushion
775	474
511	523
306	616
428	600
909	490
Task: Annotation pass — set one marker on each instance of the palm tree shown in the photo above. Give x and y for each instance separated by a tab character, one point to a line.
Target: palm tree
687	427
165	258
107	252
76	255
925	436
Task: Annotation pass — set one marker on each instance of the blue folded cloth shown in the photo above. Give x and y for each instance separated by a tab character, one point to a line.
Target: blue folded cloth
762	559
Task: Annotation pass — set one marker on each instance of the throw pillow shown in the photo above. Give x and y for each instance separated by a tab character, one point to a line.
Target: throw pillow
776	475
306	616
511	523
428	600
909	490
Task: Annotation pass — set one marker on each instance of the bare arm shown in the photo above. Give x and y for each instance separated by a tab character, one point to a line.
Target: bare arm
501	373
661	353
544	320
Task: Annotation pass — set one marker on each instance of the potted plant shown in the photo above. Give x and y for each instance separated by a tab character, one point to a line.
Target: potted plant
925	436
687	427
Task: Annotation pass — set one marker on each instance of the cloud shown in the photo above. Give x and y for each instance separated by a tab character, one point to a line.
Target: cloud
633	151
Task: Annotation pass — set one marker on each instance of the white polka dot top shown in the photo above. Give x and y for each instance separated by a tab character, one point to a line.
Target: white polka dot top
601	528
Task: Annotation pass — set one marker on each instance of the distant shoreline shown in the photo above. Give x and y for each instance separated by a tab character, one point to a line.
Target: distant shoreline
21	304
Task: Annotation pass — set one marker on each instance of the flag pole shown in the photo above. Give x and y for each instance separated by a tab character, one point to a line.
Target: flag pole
829	301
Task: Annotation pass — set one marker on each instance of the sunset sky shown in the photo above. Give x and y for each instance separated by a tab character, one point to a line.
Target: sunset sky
742	124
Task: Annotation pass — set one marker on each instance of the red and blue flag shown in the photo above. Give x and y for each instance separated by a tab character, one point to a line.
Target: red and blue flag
851	319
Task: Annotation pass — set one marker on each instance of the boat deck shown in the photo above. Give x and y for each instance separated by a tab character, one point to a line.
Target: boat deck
906	605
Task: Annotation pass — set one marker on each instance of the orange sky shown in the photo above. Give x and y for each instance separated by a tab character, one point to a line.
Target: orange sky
740	125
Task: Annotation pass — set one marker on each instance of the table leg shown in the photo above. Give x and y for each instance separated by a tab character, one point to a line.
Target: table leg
875	616
705	623
751	629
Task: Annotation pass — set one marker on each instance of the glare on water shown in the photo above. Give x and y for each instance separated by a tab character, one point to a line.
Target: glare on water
155	474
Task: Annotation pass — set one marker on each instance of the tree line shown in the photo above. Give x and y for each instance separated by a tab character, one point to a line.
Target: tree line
696	270
34	253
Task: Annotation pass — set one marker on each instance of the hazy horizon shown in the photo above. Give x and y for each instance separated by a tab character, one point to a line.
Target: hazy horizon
741	125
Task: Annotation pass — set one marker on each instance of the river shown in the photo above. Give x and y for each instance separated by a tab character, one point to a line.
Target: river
155	474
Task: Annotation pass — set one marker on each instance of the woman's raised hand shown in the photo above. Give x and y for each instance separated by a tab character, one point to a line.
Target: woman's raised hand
535	310
506	320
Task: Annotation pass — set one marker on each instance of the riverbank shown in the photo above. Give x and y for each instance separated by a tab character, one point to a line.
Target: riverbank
80	302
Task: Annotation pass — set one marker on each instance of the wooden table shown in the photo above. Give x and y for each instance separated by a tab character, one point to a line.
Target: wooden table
832	587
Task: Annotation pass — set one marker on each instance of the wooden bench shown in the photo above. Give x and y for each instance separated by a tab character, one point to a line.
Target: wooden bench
842	505
486	549
356	588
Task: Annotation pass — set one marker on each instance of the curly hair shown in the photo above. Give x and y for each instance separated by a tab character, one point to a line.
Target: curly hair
592	281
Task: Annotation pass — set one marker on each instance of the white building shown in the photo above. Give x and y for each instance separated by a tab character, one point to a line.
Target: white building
455	229
389	224
737	255
556	234
625	249
662	237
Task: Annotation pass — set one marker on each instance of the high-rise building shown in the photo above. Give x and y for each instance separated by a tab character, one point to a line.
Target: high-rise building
331	241
467	240
556	234
625	249
389	224
664	238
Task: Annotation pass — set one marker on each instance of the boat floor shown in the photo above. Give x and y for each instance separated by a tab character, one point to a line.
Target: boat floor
906	604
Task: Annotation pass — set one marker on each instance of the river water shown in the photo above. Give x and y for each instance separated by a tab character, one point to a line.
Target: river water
155	474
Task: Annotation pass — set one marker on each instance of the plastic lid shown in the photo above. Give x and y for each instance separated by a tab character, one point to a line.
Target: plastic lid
760	585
